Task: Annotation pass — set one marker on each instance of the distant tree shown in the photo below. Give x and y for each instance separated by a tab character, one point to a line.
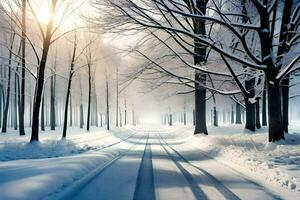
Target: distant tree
8	88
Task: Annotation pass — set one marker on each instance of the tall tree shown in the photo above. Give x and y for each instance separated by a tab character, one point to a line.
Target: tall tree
71	73
47	36
283	48
117	96
107	102
89	97
8	88
43	113
199	59
52	97
174	19
23	74
81	121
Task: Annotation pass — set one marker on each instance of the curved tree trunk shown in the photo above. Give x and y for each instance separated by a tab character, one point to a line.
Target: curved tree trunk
89	100
40	78
67	106
38	94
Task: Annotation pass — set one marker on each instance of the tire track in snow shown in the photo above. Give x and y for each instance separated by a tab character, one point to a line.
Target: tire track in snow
198	192
144	189
223	189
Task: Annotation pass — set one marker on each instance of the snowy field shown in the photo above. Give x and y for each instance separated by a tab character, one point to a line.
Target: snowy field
167	163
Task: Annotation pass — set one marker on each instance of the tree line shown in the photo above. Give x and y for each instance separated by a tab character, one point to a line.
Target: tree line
247	50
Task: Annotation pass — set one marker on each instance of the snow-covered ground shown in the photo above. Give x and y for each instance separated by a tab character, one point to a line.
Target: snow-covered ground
251	154
26	178
167	162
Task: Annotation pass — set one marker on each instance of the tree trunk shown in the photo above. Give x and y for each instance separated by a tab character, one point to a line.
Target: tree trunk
184	117
257	114
125	113
276	131
107	105
71	110
264	108
15	103
40	80
52	102
120	111
238	119
250	108
215	117
81	116
199	58
89	99
194	118
133	118
38	94
43	114
67	105
30	105
285	103
96	104
170	120
23	74
283	40
232	115
6	107
117	100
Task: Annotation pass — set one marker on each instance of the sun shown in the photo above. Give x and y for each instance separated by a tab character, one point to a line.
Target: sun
44	16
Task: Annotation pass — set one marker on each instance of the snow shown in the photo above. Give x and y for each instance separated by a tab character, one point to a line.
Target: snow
63	169
44	149
272	163
43	178
265	30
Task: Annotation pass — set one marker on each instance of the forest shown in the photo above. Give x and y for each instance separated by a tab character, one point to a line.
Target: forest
92	82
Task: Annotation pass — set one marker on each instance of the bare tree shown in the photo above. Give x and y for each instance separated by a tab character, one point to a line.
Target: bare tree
8	88
175	19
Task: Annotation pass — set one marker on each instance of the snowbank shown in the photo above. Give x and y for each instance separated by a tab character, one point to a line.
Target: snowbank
250	153
44	149
45	178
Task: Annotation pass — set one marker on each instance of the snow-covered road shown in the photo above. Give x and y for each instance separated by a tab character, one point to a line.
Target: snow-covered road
123	164
155	168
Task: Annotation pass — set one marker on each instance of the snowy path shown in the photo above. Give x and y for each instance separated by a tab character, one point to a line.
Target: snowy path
154	167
